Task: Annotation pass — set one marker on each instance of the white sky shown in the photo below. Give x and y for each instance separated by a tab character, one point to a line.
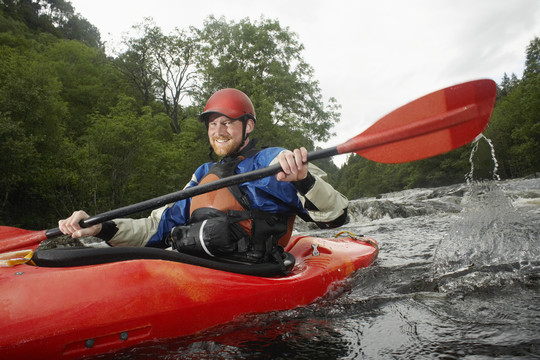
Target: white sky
372	56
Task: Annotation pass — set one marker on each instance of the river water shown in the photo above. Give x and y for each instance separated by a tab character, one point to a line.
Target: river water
457	277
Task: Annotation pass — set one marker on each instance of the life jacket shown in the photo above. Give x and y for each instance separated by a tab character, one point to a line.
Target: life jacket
222	223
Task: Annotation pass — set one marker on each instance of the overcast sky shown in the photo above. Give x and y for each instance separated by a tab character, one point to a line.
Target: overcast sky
372	56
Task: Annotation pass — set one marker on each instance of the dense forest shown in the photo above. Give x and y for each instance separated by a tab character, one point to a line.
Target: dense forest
81	128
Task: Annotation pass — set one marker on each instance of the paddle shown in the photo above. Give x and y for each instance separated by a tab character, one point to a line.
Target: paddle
431	125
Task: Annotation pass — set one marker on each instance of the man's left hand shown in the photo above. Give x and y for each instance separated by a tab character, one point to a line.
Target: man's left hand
294	165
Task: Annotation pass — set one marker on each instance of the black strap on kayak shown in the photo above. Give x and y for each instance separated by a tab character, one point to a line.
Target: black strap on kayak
82	256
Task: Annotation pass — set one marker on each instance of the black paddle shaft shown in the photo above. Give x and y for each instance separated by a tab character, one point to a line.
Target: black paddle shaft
191	191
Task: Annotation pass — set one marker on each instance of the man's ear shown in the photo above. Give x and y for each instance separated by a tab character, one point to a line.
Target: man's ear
250	125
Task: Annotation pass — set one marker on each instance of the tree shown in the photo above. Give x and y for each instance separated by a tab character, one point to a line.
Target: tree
137	64
160	67
265	61
532	62
507	85
515	123
175	60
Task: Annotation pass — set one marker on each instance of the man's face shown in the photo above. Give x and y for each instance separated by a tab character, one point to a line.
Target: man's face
224	134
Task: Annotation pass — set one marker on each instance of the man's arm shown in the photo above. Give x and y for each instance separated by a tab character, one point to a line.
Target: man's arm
118	232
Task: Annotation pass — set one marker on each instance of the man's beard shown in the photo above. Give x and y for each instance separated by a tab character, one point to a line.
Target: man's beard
226	149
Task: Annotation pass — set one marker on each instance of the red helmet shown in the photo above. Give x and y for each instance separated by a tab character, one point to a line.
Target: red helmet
232	103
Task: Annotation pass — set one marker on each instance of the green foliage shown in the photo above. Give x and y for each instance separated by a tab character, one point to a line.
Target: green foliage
123	148
515	124
532	61
56	17
22	152
32	115
90	84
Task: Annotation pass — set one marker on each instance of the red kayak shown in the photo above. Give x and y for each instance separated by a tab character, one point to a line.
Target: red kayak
73	310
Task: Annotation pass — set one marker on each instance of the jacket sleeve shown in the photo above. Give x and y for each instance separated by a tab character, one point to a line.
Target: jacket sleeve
151	230
325	205
136	232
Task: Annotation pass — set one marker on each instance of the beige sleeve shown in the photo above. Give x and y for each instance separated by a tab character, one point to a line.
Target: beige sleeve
330	203
136	232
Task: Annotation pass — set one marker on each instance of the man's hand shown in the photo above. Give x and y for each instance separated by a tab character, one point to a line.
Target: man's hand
294	165
70	226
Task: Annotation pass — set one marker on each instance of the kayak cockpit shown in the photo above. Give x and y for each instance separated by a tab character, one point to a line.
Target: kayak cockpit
83	256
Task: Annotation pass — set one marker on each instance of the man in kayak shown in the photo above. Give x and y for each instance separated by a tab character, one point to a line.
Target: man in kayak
248	222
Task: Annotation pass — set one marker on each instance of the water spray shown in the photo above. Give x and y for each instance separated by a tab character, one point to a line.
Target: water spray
470	176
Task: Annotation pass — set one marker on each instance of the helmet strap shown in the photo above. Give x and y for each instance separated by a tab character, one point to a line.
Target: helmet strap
211	154
244	126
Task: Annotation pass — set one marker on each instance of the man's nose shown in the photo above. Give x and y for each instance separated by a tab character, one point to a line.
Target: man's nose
221	129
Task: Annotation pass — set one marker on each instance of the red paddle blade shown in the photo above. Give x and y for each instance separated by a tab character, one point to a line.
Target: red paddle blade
429	126
16	239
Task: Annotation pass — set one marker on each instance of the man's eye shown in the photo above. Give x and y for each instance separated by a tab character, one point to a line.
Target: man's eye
224	123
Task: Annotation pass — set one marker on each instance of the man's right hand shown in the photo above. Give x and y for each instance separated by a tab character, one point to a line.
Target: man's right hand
294	165
70	226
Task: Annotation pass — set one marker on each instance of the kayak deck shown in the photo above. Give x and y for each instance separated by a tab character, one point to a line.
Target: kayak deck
71	312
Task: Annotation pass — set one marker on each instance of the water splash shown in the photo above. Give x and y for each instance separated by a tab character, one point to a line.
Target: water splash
489	233
486	233
470	176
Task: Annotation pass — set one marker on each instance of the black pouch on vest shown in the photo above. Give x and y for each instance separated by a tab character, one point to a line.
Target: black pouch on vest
209	232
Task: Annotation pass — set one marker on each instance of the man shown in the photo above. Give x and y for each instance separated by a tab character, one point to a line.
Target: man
252	219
